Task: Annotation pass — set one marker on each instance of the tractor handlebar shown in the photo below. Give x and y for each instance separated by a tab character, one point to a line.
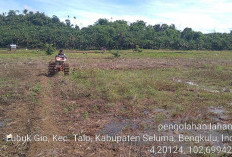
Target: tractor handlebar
60	59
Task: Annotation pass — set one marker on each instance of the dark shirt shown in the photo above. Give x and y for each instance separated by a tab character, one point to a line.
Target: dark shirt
61	55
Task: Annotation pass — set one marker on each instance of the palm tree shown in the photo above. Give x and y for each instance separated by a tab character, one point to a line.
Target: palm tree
25	11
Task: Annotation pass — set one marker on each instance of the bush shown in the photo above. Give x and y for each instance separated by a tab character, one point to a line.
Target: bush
49	49
138	49
116	54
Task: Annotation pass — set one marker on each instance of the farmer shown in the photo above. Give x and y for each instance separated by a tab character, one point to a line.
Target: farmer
60	55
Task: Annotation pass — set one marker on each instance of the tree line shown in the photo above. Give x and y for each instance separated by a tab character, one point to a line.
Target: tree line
34	29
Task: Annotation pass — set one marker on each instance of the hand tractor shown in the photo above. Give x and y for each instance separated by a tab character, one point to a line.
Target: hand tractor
58	65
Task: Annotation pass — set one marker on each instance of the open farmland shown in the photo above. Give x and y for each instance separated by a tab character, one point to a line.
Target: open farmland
129	95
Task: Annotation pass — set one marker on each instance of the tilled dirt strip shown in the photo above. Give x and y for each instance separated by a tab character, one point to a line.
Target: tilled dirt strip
32	117
117	64
140	63
45	126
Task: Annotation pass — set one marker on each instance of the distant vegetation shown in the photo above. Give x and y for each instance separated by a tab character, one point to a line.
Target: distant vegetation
34	30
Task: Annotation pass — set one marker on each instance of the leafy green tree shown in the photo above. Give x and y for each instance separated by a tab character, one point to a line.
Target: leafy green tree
34	30
102	22
25	11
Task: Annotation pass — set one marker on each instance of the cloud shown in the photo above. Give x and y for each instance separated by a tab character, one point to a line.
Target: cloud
86	18
202	15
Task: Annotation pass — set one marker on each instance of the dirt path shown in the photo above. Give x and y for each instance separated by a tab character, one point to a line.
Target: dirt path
45	125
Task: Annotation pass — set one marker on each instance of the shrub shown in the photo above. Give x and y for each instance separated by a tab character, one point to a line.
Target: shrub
138	49
49	49
116	54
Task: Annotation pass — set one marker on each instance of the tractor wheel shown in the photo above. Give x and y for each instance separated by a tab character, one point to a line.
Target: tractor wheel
66	69
51	68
